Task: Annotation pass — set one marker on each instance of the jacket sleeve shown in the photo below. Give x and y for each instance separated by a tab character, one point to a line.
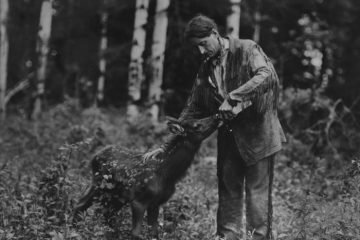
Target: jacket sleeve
258	67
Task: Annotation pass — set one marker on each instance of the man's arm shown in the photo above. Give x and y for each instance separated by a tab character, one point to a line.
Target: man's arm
260	82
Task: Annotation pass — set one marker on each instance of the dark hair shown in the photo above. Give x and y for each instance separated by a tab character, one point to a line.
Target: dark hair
199	26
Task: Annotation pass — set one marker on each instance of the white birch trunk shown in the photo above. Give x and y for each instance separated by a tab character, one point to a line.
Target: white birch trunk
102	60
157	56
257	18
233	20
42	50
136	74
4	51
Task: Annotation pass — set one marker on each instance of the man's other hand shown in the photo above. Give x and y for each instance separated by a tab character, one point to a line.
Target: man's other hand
226	111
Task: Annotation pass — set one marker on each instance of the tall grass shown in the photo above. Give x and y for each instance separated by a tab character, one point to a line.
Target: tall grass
44	168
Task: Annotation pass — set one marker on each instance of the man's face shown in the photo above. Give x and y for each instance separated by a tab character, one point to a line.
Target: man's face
208	46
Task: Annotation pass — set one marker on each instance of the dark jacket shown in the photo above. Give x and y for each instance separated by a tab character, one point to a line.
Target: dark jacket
250	75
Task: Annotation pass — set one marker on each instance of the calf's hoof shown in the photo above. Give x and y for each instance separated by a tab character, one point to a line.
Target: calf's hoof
136	237
154	233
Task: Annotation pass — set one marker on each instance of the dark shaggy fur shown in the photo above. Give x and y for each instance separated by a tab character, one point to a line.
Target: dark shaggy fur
122	176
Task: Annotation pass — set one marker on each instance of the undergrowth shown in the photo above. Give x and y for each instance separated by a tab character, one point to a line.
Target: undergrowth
44	169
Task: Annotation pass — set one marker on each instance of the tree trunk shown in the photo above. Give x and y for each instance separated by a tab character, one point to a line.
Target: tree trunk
157	56
233	20
4	50
102	59
136	74
257	18
42	50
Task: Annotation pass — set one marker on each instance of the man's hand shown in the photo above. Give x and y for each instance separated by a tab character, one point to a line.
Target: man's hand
226	111
153	154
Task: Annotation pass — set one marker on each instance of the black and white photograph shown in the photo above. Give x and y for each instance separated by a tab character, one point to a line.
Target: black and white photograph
179	120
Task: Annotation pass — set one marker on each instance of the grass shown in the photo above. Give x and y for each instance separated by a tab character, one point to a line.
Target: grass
44	168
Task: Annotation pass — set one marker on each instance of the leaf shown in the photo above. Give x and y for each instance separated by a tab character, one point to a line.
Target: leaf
56	236
282	235
74	235
110	185
99	233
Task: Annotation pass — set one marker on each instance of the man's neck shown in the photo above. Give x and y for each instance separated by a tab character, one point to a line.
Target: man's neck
223	47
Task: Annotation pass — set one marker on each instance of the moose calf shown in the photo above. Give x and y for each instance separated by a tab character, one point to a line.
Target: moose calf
121	176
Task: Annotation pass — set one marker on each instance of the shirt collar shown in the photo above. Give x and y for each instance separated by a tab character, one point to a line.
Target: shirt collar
224	49
226	43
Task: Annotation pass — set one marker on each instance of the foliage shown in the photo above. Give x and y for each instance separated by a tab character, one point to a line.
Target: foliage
322	213
328	127
308	44
311	200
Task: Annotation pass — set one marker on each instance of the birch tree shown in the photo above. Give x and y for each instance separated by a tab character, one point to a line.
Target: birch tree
233	19
157	56
4	50
42	51
102	59
257	19
136	74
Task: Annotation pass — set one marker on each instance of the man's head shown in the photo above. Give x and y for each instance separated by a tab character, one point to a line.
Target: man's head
202	33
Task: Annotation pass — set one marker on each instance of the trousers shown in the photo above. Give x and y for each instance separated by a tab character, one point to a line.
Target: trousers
233	176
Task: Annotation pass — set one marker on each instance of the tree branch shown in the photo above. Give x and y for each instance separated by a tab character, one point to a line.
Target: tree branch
23	84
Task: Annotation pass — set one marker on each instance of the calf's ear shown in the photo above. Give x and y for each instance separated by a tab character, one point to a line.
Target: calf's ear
174	125
171	120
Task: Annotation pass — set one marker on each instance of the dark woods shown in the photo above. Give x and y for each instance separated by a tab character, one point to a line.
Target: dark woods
315	48
315	55
309	41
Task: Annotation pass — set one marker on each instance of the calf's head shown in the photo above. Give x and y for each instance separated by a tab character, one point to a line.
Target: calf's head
198	129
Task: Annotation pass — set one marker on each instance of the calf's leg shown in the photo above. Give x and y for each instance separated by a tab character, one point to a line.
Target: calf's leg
138	210
152	218
84	203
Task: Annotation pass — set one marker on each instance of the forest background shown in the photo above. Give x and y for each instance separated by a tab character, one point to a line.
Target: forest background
315	48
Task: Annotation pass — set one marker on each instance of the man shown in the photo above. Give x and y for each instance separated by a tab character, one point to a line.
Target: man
236	72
